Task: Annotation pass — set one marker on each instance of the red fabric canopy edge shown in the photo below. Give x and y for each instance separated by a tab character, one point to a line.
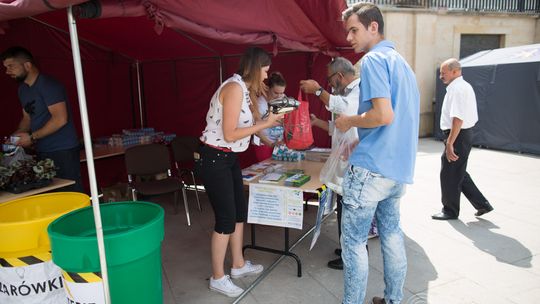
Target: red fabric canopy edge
292	24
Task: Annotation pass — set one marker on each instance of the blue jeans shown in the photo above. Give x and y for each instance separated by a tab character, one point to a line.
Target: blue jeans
366	194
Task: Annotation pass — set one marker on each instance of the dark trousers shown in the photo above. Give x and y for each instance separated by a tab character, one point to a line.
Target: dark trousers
68	166
455	179
222	179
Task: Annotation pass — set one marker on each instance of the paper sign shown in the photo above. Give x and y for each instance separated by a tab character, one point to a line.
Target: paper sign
326	200
275	206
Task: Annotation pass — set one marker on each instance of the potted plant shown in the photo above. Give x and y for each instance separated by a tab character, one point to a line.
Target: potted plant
23	175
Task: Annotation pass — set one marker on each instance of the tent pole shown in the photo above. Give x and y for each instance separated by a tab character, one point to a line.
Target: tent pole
208	48
196	41
220	70
101	47
139	92
89	153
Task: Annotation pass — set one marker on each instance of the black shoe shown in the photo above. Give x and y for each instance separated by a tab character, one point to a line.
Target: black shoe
336	264
377	300
483	211
443	216
338	251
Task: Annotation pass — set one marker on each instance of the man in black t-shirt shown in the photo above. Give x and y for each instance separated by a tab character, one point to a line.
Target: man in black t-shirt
47	121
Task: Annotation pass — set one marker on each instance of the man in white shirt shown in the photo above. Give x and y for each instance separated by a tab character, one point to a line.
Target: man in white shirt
344	99
458	116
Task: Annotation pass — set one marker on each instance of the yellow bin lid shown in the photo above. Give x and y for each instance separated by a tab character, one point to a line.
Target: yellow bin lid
23	222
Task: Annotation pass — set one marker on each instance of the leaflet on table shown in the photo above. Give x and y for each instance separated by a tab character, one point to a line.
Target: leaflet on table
249	176
256	170
265	167
275	206
272	177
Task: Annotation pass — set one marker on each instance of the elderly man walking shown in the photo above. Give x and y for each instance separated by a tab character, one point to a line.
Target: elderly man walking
458	116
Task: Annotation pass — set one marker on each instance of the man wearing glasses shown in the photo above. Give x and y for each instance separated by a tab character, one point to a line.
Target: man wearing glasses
343	100
47	122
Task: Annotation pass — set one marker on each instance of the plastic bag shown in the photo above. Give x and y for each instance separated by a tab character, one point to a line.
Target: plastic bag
334	169
16	154
297	127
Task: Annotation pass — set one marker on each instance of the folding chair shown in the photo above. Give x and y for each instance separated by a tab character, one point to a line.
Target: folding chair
149	173
183	148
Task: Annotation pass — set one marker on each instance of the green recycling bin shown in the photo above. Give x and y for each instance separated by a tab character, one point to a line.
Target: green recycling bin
133	232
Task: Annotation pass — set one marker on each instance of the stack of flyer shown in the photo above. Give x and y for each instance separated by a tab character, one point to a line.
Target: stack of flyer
271	178
249	176
259	169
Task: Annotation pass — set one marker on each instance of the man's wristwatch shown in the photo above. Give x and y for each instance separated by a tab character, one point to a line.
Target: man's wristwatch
318	92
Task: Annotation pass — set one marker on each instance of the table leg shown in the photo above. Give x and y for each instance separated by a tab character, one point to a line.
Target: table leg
286	250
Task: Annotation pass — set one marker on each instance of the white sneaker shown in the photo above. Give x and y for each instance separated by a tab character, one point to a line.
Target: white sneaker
247	270
225	286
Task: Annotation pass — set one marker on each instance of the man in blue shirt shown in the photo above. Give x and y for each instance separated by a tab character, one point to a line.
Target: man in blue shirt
383	162
47	122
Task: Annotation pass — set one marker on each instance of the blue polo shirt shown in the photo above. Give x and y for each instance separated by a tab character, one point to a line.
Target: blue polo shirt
389	150
35	100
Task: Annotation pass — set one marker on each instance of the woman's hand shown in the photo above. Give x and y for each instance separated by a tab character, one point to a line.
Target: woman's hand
274	120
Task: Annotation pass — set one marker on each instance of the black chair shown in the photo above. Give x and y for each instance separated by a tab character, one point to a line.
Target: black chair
183	148
149	173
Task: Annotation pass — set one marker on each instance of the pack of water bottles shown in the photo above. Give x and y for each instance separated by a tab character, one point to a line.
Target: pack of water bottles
281	152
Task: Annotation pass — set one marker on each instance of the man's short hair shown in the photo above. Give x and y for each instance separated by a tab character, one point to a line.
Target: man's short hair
453	64
367	13
17	52
341	65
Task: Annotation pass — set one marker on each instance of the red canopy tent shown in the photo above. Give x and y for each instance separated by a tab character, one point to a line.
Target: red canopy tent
179	46
162	60
178	57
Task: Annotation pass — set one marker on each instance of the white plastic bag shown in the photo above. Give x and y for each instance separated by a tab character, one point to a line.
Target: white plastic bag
16	154
37	283
333	170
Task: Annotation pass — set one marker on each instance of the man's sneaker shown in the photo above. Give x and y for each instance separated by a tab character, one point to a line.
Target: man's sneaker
225	286
336	264
377	300
247	270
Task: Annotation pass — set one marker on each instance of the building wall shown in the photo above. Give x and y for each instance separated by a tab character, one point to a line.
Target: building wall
427	38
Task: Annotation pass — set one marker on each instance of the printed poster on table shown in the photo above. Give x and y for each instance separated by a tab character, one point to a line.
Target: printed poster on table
275	206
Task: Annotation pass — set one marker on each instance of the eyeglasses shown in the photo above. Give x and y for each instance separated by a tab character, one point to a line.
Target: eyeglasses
329	78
